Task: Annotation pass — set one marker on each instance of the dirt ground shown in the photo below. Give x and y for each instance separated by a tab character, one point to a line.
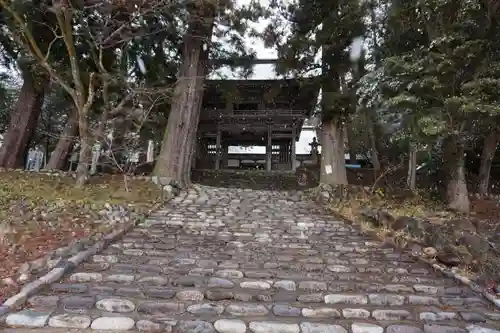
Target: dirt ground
40	213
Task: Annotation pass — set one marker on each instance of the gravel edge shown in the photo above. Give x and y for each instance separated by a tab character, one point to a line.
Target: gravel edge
65	266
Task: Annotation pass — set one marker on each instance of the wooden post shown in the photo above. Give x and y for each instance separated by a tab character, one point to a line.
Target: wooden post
205	156
269	148
198	151
218	149
225	155
293	154
282	155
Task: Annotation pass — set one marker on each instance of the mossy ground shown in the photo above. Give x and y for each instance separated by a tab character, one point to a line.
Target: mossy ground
40	212
484	214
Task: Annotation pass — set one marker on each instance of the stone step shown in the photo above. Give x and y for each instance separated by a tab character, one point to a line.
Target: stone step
86	297
148	273
152	316
138	272
225	326
249	179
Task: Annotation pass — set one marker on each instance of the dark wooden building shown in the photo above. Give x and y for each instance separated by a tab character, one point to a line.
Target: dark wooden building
266	113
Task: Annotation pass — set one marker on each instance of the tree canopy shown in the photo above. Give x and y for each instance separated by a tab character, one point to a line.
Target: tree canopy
401	79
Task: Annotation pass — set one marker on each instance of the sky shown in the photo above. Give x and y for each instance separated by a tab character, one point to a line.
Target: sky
262	72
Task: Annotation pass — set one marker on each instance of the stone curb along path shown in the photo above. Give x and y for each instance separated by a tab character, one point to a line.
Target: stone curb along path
67	265
234	261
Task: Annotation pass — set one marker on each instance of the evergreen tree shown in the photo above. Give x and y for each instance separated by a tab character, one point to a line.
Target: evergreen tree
324	30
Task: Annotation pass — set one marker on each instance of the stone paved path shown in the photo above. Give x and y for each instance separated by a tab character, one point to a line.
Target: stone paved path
235	261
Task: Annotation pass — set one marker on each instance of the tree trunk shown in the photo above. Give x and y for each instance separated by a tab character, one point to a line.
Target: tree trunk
82	170
23	121
193	130
350	141
332	153
332	142
65	143
411	180
175	158
456	187
373	142
489	150
118	146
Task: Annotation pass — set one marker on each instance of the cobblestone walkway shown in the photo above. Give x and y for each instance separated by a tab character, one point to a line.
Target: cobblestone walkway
235	261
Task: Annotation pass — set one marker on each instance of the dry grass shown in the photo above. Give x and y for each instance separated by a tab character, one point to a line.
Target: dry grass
420	206
39	213
40	188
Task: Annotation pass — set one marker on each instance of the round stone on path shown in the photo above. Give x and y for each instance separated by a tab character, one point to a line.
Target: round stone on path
190	295
69	321
321	313
338	269
230	326
160	308
193	326
86	277
313	285
247	309
154	280
389	315
200	271
422	300
356	313
229	274
77	303
426	289
286	285
149	326
255	285
205	309
207	263
440	316
442	329
120	278
105	259
383	299
285	310
158	292
27	318
115	305
219	283
366	328
472	317
43	301
310	298
479	329
219	295
243	297
321	328
69	288
133	252
272	327
405	329
346	299
113	323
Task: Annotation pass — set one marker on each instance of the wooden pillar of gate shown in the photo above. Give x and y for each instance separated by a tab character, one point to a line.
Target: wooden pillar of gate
218	147
269	148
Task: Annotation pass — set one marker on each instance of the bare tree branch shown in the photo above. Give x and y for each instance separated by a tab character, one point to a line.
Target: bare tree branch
35	48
